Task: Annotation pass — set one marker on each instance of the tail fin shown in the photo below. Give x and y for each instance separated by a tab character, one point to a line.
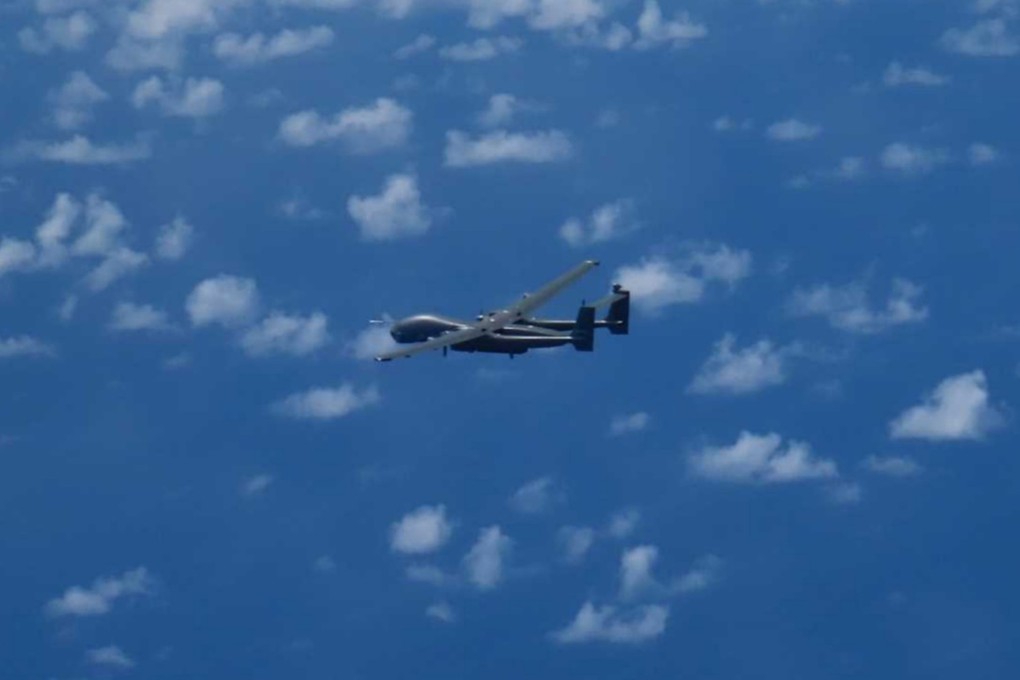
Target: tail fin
583	334
618	317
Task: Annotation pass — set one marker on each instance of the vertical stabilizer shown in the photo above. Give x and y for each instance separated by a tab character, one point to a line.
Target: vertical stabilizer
583	334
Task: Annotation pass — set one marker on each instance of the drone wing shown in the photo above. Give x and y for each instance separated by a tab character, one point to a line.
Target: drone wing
532	301
444	340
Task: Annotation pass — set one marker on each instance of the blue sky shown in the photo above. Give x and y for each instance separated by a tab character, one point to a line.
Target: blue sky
801	462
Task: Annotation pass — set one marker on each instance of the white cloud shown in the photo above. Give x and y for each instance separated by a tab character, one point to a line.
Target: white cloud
847	493
80	150
702	575
958	409
986	38
128	316
893	466
257	485
623	523
740	371
51	234
535	497
484	562
554	15
626	424
257	48
24	346
728	124
372	342
427	573
396	212
606	223
575	542
761	459
101	596
73	101
15	255
384	124
608	624
441	611
421	531
423	43
653	30
910	159
847	307
104	223
225	300
502	109
111	656
897	75
636	572
117	264
281	333
481	49
132	55
501	146
327	403
71	33
792	130
192	98
174	239
982	154
658	282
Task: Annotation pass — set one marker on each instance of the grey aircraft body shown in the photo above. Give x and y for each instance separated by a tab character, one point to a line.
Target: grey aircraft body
513	330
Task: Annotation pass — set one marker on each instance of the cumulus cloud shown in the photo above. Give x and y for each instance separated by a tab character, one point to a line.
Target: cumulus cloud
731	370
845	493
281	333
986	38
626	424
484	562
761	459
893	466
638	582
792	130
535	497
441	611
957	409
654	30
327	403
15	255
982	154
192	98
847	307
258	48
500	146
898	75
575	542
24	346
174	239
606	223
80	150
423	43
70	33
502	109
111	656
101	596
128	316
74	100
421	531
481	49
659	282
396	212
372	342
117	264
912	159
228	301
382	125
622	524
610	624
256	485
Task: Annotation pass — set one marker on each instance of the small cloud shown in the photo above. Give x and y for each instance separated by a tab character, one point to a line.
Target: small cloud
101	596
761	459
982	154
192	98
502	109
228	301
730	370
575	542
893	466
535	497
371	342
281	333
898	75
423	43
958	409
441	611
481	49
24	346
606	223
792	130
609	624
396	212
912	160
70	33
256	485
500	146
622	524
128	316
258	48
74	100
327	403
986	38
324	564
484	562
80	150
421	531
115	265
848	493
730	124
111	657
654	30
174	239
381	125
847	307
627	424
